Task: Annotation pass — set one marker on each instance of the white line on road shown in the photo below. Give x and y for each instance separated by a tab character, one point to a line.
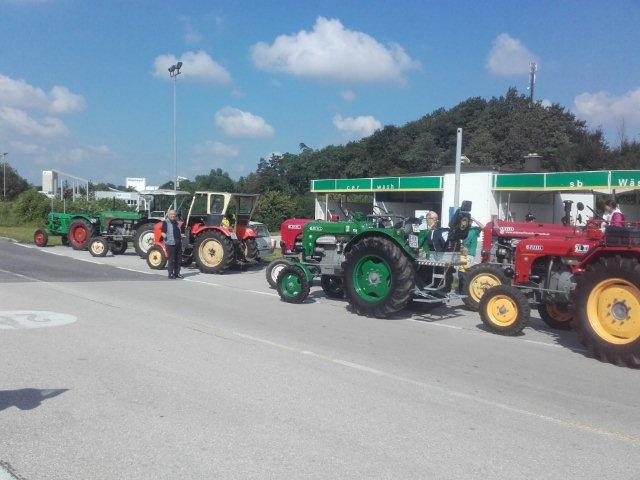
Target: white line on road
454	393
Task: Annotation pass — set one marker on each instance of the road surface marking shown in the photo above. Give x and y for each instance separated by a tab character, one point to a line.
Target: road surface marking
20	319
568	423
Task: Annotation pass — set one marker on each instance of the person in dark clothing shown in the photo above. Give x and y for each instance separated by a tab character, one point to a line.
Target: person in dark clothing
173	241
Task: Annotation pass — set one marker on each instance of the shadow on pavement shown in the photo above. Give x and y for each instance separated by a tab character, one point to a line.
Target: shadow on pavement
27	398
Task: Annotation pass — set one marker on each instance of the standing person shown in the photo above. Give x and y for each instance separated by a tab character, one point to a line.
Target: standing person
613	214
173	241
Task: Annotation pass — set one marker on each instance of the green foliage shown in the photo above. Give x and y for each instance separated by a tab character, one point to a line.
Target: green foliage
15	184
274	207
31	206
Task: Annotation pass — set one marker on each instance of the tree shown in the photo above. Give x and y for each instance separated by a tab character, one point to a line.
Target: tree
15	184
273	208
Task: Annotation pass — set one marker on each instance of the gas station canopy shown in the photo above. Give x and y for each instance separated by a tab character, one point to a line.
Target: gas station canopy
605	181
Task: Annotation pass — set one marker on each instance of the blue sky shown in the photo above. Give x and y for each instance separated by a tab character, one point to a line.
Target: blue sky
79	90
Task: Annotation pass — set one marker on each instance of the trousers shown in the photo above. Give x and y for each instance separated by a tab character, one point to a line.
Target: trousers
173	266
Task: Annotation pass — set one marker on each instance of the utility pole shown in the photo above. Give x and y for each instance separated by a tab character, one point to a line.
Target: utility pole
532	79
174	71
456	192
4	175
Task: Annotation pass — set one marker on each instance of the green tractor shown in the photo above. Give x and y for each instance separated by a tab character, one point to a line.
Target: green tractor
75	229
380	263
115	230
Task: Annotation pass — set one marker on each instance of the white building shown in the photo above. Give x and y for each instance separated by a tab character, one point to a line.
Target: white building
131	198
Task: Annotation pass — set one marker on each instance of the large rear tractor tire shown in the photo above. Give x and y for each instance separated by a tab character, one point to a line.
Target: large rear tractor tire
119	247
556	315
378	277
292	284
40	238
332	286
273	270
98	247
606	308
143	239
505	310
213	252
477	280
80	234
156	259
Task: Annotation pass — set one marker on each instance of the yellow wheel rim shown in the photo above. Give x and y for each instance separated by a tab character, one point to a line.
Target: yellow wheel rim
97	247
481	283
502	310
558	313
613	311
155	258
211	252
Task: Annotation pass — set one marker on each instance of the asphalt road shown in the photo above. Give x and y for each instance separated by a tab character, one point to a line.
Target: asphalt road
127	375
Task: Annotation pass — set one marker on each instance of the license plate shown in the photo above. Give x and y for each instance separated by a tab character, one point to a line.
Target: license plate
413	241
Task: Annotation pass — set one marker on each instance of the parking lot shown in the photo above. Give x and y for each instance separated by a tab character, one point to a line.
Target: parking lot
214	377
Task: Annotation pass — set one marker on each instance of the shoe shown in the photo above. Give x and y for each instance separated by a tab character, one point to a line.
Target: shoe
171	277
178	276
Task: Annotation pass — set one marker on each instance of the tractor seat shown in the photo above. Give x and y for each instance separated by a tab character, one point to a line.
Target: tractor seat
460	223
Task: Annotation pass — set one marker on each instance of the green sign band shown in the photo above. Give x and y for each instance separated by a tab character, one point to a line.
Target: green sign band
555	181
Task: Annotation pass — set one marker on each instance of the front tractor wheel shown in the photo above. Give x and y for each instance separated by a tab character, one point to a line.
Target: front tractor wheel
292	284
119	247
80	233
556	315
378	277
332	286
156	259
40	238
98	247
144	239
273	270
504	310
607	310
213	252
477	280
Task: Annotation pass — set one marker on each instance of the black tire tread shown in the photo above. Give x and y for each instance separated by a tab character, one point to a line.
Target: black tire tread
403	277
524	309
228	257
269	269
304	293
606	267
136	238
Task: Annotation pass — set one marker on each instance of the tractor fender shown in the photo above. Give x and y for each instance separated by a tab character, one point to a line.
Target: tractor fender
379	233
304	268
200	228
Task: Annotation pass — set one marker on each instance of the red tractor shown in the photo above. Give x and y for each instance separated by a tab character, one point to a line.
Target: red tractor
590	277
216	233
500	239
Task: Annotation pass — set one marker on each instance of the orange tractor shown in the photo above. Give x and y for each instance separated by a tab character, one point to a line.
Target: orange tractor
216	233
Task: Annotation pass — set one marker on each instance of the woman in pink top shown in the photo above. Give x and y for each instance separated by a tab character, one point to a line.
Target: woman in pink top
614	215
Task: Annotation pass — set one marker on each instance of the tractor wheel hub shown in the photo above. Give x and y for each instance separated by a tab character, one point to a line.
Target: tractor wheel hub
619	310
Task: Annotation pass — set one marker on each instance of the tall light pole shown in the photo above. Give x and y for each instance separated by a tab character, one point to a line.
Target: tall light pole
4	175
456	191
174	71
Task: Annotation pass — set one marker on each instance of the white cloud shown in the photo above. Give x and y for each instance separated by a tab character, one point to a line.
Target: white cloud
602	108
332	52
348	95
236	123
508	56
21	123
217	149
198	66
356	127
20	94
